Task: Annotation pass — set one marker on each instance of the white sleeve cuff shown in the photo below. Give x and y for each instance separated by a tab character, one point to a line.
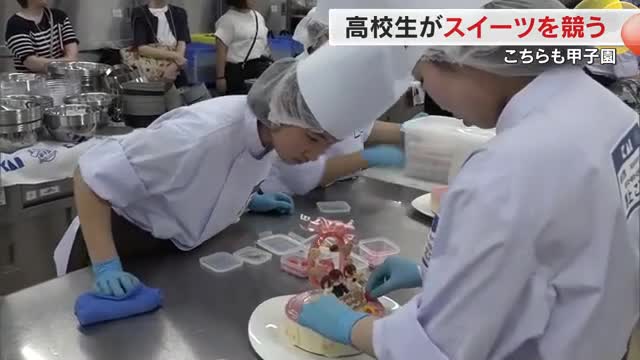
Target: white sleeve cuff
400	336
108	172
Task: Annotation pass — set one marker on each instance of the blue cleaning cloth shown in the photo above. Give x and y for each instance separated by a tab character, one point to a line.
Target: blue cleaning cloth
92	308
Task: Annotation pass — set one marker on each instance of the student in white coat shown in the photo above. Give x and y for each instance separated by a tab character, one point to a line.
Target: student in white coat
191	174
341	161
348	156
536	252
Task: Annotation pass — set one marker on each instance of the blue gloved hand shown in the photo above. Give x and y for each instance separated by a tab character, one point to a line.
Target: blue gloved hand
384	156
279	202
111	280
330	318
394	274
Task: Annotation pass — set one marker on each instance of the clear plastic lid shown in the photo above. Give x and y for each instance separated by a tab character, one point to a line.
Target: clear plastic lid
279	244
253	256
375	251
220	262
334	207
299	238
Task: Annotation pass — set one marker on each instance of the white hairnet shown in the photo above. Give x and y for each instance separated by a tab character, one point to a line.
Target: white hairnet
492	58
263	89
288	106
311	32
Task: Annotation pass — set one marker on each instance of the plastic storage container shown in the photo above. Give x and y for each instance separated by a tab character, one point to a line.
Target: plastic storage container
201	63
253	256
334	207
375	251
279	244
220	262
284	46
204	38
297	263
432	142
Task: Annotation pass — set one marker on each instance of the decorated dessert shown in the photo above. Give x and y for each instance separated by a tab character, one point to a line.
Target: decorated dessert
335	241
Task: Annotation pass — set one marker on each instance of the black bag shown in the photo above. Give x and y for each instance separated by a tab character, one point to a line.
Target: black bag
237	73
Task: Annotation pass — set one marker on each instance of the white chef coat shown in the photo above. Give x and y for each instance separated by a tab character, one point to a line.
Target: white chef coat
301	179
237	30
536	254
164	34
187	176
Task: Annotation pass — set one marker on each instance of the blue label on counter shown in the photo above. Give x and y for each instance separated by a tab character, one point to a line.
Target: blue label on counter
11	164
626	162
43	155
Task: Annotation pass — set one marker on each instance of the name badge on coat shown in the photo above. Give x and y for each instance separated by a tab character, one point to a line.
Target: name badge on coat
429	245
626	162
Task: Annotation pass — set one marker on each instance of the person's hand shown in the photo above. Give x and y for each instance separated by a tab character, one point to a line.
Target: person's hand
221	86
394	274
278	202
111	280
330	318
384	156
171	72
180	60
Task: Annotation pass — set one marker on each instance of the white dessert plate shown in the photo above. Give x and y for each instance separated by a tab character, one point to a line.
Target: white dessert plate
423	205
267	335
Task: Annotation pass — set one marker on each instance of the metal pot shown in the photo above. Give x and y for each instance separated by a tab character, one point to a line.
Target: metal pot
120	74
22	83
91	75
43	101
72	123
20	123
103	102
17	111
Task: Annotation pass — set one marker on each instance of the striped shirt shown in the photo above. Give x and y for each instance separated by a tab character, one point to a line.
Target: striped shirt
47	39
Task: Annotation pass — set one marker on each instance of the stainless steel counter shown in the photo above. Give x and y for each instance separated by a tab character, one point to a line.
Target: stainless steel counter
205	316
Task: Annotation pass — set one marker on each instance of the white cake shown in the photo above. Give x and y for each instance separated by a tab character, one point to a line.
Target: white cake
309	340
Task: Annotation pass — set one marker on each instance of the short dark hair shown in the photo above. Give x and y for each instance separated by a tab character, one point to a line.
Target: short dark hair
23	3
240	4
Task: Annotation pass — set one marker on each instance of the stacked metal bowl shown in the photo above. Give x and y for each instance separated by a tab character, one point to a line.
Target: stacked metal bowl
91	75
73	123
104	103
22	83
20	121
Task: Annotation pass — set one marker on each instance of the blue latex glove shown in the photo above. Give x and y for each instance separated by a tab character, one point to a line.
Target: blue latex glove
111	280
329	317
384	156
278	202
394	274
